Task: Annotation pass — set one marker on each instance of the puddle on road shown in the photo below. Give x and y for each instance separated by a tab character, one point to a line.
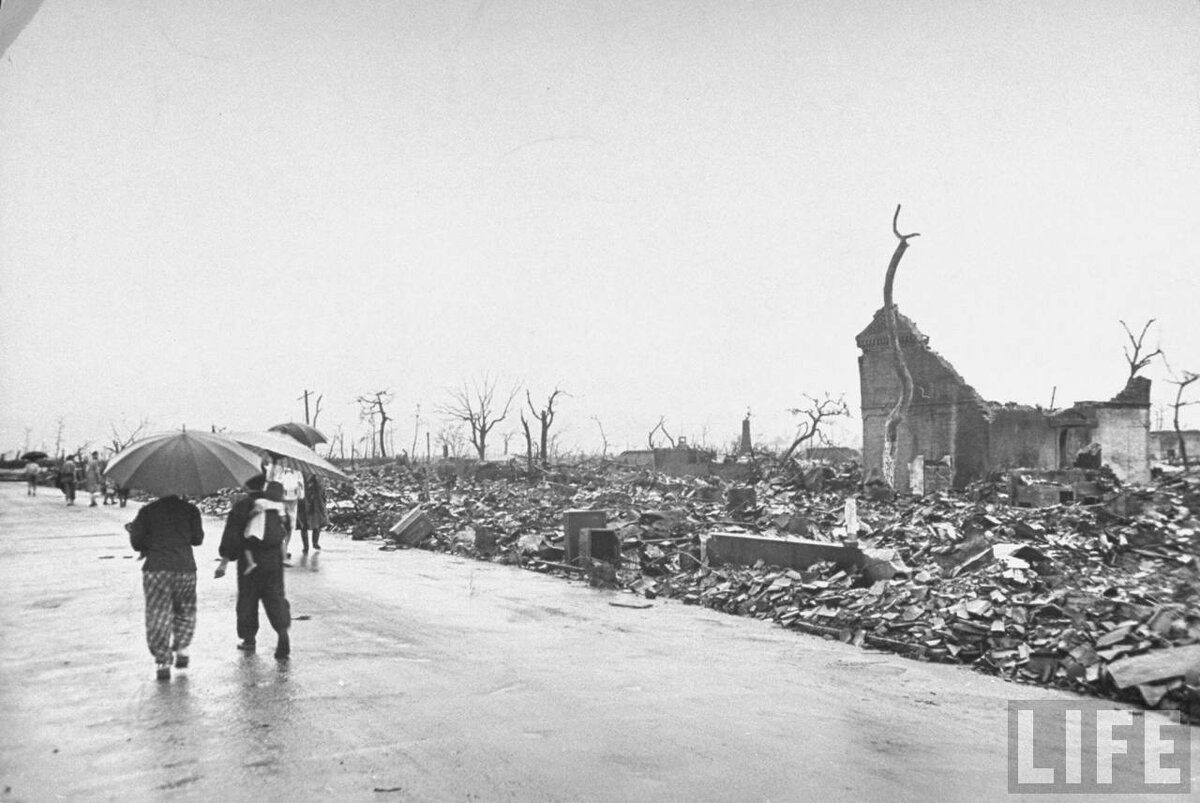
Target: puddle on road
179	783
879	667
49	603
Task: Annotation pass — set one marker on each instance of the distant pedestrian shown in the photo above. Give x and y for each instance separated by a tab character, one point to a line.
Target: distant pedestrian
293	494
122	495
32	470
93	477
110	491
67	480
165	531
265	583
311	514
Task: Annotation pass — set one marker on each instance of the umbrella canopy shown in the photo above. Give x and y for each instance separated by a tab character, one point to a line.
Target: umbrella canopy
292	453
34	456
185	463
309	436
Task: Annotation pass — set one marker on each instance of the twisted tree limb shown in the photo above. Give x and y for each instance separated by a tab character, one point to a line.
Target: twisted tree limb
900	409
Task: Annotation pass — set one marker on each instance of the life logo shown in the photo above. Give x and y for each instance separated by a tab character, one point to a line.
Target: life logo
1089	747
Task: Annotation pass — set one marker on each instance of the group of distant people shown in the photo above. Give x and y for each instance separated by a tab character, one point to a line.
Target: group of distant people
70	475
255	537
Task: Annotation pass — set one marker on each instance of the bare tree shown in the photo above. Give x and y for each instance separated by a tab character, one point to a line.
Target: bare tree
479	408
1133	352
900	410
1187	378
338	440
416	430
529	445
122	439
603	437
450	438
317	410
372	405
660	426
814	413
545	418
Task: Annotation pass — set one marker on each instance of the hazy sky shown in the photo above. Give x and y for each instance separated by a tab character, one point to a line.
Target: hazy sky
675	208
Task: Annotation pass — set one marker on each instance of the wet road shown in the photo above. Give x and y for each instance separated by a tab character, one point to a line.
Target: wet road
418	676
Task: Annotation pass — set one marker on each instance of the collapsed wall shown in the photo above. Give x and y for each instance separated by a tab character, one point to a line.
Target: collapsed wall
946	420
949	423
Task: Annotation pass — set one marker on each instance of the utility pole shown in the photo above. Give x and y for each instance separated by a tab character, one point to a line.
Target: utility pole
305	397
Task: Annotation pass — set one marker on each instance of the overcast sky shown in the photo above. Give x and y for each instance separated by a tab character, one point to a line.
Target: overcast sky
675	208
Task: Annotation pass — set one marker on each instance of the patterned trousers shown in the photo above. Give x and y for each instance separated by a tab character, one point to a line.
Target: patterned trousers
170	612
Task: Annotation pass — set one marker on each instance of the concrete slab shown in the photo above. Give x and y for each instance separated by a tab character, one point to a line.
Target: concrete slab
413	528
574	522
745	549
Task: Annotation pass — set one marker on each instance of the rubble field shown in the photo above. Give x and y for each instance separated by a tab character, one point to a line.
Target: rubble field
1101	598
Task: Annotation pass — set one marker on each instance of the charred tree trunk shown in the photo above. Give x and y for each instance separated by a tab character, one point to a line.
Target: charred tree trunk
528	442
1188	378
900	410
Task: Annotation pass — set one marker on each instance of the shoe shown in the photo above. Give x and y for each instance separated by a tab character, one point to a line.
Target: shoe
164	672
181	660
246	646
93	504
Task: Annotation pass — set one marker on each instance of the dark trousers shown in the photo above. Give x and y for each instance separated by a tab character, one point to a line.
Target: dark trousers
263	585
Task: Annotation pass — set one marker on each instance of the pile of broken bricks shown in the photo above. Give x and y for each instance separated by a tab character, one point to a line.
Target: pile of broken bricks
1101	598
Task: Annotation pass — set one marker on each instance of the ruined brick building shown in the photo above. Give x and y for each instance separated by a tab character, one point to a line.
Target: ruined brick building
962	437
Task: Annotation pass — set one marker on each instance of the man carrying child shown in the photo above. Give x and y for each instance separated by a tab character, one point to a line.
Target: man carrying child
260	566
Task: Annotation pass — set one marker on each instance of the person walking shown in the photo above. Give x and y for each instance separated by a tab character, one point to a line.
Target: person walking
66	479
293	495
32	470
265	583
93	477
311	514
165	531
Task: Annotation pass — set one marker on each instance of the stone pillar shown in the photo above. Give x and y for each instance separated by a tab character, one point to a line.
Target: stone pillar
744	446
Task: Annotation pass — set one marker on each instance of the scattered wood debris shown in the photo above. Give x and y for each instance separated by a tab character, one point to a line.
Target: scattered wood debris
1100	598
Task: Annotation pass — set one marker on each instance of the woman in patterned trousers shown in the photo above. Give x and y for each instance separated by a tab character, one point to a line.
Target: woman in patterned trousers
165	531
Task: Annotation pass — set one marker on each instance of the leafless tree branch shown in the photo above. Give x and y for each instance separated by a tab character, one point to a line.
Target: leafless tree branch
480	408
1133	352
371	405
815	412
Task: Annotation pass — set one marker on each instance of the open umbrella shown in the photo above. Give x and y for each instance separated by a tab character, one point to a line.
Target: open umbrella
309	436
292	453
34	456
186	463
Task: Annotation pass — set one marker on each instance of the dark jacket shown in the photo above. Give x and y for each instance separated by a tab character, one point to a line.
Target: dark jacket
165	531
269	556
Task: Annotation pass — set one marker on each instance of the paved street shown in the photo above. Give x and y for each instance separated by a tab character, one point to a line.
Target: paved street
419	676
